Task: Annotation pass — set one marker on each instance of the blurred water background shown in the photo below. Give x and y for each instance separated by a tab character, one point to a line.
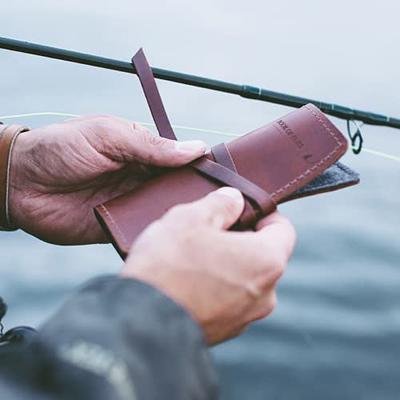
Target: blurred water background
336	331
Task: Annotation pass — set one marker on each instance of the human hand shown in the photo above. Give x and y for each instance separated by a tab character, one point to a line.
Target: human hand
59	173
225	280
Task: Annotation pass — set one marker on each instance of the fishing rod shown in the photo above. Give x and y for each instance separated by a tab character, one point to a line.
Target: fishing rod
246	91
370	151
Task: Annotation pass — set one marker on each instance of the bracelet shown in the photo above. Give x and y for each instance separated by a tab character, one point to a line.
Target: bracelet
8	135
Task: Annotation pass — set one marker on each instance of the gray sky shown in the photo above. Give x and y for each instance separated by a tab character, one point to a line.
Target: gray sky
343	51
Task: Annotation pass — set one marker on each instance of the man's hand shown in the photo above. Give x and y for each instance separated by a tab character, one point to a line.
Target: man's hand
60	172
225	280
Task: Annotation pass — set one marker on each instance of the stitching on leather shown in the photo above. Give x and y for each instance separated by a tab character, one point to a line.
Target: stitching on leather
320	163
114	223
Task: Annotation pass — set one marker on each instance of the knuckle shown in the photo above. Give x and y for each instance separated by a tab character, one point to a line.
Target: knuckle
270	269
155	148
149	139
102	119
291	231
148	235
95	116
279	267
135	126
138	127
267	307
178	230
276	265
267	310
273	302
177	213
105	122
145	133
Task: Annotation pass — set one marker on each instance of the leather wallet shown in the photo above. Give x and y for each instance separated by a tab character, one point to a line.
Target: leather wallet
292	157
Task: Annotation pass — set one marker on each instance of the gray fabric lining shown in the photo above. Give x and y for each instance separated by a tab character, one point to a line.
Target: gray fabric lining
336	176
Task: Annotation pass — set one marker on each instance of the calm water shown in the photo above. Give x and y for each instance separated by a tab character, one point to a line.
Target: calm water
336	331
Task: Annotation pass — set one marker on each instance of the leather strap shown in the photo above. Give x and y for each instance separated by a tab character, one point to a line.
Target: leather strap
223	170
8	135
259	196
222	156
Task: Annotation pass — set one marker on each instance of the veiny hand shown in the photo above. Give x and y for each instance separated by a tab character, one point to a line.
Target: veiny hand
60	172
225	280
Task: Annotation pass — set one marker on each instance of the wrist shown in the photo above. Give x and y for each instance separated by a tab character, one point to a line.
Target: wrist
166	281
170	288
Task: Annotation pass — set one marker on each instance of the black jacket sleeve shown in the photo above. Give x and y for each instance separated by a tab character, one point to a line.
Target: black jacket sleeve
114	339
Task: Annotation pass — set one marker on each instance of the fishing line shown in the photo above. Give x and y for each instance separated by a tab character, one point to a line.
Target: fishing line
188	128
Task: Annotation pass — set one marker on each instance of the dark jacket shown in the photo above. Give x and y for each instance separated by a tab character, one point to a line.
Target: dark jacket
114	339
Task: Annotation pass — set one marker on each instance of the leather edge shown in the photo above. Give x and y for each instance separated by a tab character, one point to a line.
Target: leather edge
106	222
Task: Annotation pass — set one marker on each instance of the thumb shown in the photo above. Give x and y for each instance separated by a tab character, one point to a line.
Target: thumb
162	152
219	209
124	141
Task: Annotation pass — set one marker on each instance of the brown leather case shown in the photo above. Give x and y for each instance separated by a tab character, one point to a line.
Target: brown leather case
280	158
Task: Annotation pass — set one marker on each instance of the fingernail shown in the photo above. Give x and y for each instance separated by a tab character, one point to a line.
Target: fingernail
192	146
231	192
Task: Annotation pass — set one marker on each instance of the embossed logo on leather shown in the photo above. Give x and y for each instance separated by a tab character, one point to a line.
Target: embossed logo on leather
294	138
290	134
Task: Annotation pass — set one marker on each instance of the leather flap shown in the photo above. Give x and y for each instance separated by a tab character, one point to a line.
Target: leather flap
292	157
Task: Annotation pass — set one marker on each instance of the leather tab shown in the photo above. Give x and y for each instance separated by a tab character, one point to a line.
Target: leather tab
152	94
222	156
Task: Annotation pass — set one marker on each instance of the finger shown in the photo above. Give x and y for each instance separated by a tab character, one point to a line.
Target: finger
278	233
274	234
264	252
219	209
